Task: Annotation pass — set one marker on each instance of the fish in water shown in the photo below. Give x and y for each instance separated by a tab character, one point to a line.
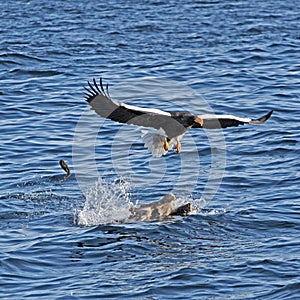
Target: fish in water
159	210
156	210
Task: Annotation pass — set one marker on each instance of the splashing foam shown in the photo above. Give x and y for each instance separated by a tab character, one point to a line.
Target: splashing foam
106	203
109	203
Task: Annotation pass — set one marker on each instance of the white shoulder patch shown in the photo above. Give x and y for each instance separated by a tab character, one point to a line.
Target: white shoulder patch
145	110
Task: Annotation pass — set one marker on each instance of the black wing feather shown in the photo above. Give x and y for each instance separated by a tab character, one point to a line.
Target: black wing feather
101	102
221	123
224	121
174	124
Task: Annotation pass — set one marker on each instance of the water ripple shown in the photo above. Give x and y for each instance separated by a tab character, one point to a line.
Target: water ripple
240	58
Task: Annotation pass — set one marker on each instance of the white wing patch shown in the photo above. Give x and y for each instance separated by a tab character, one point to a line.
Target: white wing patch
145	110
216	117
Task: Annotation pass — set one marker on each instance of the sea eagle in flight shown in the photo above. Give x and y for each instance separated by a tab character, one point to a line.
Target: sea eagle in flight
170	126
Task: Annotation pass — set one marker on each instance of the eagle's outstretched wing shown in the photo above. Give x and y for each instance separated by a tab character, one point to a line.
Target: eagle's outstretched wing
223	121
171	125
103	105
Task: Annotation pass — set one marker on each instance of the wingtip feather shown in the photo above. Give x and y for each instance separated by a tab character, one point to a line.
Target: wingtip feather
262	119
94	89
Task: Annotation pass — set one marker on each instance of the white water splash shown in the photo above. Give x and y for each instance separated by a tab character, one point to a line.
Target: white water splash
106	203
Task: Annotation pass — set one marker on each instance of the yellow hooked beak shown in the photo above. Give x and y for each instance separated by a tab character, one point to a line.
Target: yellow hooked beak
199	121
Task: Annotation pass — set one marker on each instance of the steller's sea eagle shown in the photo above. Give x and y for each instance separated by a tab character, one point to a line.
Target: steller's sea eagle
170	126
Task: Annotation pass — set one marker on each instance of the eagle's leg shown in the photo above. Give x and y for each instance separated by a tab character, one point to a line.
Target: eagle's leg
166	144
177	146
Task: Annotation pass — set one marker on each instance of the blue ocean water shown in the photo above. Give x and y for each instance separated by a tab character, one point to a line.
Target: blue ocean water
229	57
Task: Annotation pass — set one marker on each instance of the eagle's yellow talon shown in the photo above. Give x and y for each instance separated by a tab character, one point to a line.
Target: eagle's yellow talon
166	145
178	147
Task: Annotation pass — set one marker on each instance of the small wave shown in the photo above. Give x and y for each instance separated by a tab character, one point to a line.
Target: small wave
146	28
39	73
6	62
21	56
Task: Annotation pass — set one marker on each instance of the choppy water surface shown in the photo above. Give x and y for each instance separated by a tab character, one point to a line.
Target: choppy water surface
233	57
